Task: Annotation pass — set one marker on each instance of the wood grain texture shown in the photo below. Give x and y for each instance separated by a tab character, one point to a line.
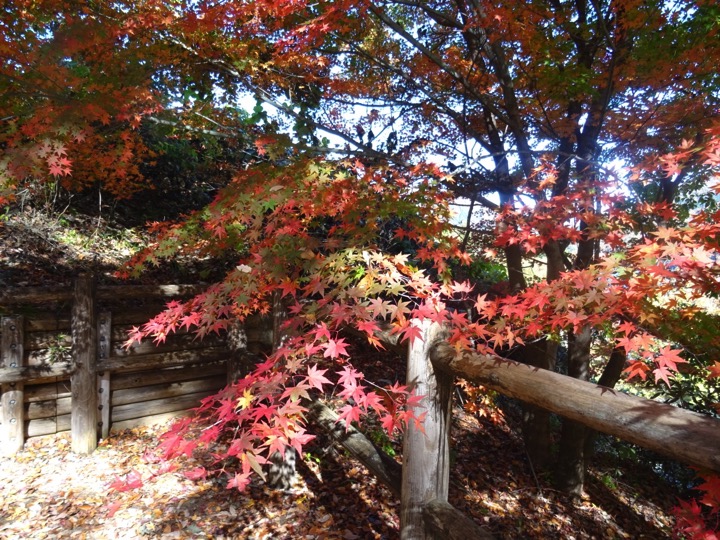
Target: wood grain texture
83	419
426	452
678	433
13	411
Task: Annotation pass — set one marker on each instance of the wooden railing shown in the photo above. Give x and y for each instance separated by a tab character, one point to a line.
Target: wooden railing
432	366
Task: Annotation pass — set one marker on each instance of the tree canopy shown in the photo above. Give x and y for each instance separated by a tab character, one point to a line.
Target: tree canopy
582	137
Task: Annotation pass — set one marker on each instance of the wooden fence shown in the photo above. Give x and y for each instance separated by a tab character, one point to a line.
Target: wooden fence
63	366
433	364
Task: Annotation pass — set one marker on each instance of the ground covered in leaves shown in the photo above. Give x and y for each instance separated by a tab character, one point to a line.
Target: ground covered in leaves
40	249
47	492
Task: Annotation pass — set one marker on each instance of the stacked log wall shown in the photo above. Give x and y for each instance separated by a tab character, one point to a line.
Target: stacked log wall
144	383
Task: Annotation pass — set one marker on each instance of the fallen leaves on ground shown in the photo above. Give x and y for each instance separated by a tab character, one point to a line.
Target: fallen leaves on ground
47	492
498	488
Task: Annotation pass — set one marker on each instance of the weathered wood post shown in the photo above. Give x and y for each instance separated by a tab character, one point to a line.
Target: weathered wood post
83	384
426	456
241	361
13	411
104	330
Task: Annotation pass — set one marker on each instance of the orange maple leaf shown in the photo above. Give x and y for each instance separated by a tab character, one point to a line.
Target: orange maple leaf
714	371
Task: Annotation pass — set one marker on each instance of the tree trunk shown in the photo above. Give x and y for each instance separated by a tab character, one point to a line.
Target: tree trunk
536	420
440	518
445	522
281	469
385	468
571	457
609	378
241	360
537	433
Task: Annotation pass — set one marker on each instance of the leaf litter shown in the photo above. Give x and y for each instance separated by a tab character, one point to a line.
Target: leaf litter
47	492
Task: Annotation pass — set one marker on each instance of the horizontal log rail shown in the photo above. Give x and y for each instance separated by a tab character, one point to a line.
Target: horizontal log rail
42	295
35	373
677	433
162	360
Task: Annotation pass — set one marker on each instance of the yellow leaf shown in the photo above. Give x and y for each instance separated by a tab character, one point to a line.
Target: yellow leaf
245	401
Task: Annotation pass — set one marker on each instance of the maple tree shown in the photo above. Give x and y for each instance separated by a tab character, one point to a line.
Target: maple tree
586	132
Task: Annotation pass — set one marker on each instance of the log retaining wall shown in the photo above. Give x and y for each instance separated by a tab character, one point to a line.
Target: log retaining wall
62	357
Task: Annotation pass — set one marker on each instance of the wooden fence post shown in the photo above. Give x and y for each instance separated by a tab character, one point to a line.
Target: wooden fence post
13	410
426	456
103	377
83	408
240	361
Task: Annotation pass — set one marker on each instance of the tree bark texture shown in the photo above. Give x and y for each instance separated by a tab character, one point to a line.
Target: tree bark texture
385	468
609	378
536	420
571	456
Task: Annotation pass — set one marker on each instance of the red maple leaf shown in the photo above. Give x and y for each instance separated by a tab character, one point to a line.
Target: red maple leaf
369	327
132	480
711	487
669	357
636	369
59	166
714	370
335	348
315	377
411	332
349	414
288	287
663	373
196	474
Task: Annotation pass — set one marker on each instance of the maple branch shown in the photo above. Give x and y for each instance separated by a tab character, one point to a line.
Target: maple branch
266	97
477	36
185	127
412	82
385	468
442	517
668	186
482	98
439	17
468	222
